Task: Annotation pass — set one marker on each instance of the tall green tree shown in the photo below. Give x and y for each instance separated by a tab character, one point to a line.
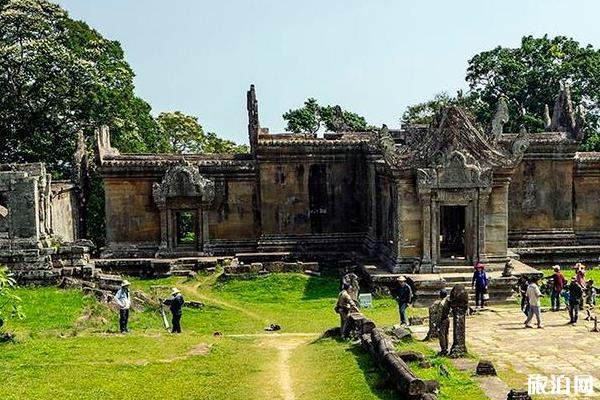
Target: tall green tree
529	76
312	116
57	77
181	133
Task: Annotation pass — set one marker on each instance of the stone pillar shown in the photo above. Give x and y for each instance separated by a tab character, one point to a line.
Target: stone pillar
482	200
426	224
164	235
459	301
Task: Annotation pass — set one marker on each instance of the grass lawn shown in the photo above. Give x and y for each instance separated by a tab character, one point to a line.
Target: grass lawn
68	348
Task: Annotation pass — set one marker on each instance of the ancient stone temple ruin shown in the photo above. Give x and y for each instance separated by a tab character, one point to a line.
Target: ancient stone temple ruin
415	200
35	214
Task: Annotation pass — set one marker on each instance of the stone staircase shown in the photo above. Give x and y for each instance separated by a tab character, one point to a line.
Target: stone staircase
427	286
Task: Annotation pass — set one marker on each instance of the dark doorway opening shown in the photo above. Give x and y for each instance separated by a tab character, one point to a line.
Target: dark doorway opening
186	226
452	232
317	197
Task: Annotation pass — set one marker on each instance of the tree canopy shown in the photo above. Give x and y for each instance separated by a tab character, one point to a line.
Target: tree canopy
529	77
58	76
182	133
312	116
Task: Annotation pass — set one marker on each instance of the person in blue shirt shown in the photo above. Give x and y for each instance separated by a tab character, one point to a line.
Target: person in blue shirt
480	284
404	297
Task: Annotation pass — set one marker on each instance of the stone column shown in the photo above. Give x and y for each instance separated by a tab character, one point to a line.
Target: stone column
426	227
459	301
164	243
482	200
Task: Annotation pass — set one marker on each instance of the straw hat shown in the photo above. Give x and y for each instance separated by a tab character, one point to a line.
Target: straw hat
401	279
125	283
174	290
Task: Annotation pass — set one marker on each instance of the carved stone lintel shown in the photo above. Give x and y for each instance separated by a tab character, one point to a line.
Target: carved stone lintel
183	181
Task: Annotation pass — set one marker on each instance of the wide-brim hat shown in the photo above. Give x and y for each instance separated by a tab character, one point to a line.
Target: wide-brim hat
401	279
125	283
556	267
174	290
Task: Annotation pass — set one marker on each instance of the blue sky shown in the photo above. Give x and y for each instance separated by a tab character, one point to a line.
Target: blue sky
372	57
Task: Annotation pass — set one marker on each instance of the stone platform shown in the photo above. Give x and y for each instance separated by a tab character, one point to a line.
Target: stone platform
428	285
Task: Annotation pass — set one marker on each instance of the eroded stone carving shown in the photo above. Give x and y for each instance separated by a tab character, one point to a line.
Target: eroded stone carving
501	117
183	181
564	118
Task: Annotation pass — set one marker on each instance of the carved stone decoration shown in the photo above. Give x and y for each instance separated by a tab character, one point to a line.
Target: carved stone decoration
564	118
253	123
183	181
384	142
105	150
501	117
547	119
338	121
459	301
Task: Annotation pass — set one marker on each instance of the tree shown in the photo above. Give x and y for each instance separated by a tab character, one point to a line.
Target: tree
9	302
530	76
311	117
58	77
182	133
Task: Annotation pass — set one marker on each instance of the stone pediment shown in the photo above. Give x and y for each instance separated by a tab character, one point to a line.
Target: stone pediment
183	181
455	147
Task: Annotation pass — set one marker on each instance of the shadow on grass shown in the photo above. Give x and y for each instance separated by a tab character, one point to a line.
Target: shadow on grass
374	377
321	287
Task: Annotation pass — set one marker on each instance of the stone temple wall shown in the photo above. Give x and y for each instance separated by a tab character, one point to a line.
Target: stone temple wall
34	216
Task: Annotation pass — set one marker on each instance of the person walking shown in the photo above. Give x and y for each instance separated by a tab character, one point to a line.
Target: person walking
404	297
123	301
175	303
558	283
533	296
575	295
344	306
480	284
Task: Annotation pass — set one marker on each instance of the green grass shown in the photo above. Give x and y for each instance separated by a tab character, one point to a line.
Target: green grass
67	346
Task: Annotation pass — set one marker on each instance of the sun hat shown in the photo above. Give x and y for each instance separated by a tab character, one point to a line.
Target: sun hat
125	283
174	290
401	279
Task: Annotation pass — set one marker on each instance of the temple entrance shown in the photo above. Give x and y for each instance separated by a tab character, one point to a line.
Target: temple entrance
452	232
186	229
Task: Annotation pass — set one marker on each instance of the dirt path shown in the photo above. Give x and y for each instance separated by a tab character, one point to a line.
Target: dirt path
285	344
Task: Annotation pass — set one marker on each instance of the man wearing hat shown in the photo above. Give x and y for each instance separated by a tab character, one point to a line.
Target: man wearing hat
344	306
558	283
404	298
123	301
175	303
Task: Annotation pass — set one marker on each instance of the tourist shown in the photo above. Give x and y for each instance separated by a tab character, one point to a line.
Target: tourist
404	297
533	296
175	303
575	295
522	285
558	283
344	306
590	299
123	301
480	284
580	277
444	321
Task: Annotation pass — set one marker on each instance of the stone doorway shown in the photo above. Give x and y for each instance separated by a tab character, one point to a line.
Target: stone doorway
452	232
187	235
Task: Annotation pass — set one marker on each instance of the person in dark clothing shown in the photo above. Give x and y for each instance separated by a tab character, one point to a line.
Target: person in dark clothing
575	295
404	297
480	284
175	304
558	283
522	286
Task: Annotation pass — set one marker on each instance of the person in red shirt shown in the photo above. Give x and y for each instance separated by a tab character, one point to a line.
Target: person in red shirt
558	283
